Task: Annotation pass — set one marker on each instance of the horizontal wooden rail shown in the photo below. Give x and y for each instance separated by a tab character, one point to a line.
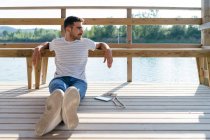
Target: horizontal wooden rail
16	52
154	45
142	21
147	52
99	7
19	45
119	52
112	45
31	21
103	21
162	52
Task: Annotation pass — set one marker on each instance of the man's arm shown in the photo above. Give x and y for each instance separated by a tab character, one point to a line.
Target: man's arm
37	52
107	53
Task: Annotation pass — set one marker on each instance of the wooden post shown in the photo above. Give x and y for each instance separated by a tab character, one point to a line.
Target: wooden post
44	69
200	66
63	15
205	40
208	70
129	40
38	73
29	71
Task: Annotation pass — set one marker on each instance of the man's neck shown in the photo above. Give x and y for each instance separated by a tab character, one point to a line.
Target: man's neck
68	38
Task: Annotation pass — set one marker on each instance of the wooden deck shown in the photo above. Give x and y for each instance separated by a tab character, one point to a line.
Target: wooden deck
152	112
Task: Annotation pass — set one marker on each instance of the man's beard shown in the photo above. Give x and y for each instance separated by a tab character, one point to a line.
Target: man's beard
79	37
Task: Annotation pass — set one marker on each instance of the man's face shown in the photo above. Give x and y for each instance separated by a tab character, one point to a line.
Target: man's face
76	31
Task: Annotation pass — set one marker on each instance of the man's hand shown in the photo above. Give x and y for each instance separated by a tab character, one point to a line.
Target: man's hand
37	53
108	57
107	53
36	56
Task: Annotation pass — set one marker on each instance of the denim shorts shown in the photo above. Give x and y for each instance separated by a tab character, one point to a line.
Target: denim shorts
64	82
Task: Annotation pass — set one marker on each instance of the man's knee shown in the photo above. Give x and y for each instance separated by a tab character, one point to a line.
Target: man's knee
82	88
57	84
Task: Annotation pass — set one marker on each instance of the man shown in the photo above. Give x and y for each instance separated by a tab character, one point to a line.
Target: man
69	84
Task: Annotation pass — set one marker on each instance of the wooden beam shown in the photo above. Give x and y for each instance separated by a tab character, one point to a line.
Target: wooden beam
115	45
151	52
103	21
199	69
63	15
19	45
31	21
98	7
44	69
29	71
153	45
121	52
16	52
129	41
205	14
207	74
146	52
37	72
166	21
142	21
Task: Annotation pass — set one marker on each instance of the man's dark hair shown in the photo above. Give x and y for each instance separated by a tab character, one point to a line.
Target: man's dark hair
71	19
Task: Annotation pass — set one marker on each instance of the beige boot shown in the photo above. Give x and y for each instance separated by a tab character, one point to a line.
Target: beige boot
52	114
69	108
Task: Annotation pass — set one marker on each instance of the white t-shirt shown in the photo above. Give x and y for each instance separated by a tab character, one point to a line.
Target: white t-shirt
71	57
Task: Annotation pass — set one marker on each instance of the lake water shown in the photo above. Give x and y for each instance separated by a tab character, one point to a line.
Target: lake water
145	70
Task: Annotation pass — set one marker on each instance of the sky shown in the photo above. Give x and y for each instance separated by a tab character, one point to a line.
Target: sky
95	13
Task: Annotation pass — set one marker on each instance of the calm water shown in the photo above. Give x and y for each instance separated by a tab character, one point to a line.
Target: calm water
145	70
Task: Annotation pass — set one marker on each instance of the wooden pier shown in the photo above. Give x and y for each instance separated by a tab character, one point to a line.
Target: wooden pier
152	112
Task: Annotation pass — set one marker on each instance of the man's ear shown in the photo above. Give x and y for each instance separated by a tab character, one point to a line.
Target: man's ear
68	29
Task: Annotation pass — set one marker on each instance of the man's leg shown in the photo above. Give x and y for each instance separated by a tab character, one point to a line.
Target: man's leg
71	102
52	114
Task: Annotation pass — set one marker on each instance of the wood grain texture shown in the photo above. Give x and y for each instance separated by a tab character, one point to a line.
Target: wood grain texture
172	112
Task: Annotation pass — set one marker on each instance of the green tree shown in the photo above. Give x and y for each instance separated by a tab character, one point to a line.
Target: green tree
193	32
177	31
5	33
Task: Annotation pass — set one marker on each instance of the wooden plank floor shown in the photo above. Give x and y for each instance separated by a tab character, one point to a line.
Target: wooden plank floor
152	112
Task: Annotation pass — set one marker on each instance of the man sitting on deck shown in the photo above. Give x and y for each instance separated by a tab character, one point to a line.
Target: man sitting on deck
69	84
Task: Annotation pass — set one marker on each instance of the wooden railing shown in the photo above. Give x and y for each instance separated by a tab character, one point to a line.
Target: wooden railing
129	21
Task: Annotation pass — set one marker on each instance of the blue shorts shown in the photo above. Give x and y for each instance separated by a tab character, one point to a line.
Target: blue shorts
64	82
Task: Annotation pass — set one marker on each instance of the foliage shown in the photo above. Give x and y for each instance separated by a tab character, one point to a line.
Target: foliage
38	35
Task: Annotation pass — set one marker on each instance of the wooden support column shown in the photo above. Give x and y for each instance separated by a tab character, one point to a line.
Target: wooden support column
205	40
129	41
44	69
29	71
63	15
200	66
208	70
38	73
